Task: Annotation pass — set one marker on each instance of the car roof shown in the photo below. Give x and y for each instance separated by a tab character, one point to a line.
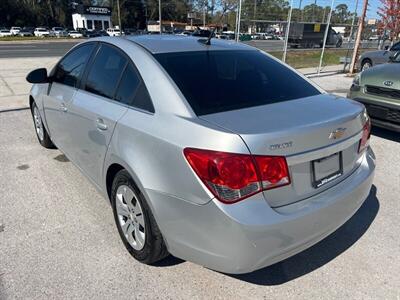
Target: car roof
173	43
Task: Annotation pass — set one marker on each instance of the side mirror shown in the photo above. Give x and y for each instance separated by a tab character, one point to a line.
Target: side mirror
386	47
38	76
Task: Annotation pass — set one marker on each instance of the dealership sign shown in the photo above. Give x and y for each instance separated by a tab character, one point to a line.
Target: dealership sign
93	10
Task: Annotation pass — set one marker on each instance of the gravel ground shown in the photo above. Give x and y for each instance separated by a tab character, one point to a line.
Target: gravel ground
58	238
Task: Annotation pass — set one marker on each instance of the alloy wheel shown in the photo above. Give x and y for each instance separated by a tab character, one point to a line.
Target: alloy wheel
130	216
38	123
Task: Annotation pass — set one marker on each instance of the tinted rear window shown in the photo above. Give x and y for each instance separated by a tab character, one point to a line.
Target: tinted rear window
217	81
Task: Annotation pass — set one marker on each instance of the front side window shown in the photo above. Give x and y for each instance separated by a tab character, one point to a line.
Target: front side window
105	72
217	81
70	69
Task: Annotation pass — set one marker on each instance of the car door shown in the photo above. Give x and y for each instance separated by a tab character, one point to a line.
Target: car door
64	80
94	111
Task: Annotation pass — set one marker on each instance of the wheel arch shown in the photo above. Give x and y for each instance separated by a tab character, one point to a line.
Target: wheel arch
113	168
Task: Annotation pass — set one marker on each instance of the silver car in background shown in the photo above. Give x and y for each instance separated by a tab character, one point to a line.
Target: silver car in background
372	58
218	154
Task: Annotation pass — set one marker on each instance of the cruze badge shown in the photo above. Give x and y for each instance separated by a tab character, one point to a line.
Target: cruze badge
281	146
388	83
337	134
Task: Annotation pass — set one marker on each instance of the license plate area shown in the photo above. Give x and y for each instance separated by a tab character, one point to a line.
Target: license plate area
326	169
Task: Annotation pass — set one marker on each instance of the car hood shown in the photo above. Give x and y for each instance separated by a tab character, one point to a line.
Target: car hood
376	76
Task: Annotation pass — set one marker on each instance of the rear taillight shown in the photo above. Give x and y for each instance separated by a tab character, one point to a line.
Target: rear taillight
364	142
234	177
273	171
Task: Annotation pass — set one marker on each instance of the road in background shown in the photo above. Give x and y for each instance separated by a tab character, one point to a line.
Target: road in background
59	48
35	48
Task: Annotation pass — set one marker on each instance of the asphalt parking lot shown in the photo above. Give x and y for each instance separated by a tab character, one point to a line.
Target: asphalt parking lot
58	238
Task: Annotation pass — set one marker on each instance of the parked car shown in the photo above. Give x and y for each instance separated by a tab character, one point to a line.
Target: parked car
15	30
75	34
113	32
28	28
5	32
59	32
41	32
102	33
90	33
378	88
373	58
234	168
24	32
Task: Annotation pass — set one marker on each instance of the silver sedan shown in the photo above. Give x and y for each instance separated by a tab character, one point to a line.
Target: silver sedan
215	153
372	58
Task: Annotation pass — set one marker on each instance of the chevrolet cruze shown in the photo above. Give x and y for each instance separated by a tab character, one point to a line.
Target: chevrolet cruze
215	153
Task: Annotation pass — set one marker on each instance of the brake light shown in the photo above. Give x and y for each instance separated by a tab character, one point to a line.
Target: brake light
273	171
234	177
364	142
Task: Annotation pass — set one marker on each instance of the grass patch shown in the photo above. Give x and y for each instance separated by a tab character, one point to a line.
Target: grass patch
310	58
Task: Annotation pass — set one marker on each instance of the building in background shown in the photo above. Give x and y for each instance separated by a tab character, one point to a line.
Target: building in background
92	17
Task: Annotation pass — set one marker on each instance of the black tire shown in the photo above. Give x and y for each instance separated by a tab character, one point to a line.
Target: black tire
45	141
154	248
366	64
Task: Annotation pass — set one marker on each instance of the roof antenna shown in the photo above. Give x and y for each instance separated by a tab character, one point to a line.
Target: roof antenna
208	40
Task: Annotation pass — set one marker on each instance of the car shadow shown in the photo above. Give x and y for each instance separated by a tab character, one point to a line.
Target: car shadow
386	134
320	254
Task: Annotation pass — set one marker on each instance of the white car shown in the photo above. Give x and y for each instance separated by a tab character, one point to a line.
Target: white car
5	32
15	30
41	32
113	32
59	32
75	34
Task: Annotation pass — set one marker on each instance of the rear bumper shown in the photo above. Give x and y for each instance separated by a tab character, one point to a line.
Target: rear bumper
250	235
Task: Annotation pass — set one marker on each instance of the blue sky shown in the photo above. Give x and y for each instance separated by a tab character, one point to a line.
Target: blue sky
371	14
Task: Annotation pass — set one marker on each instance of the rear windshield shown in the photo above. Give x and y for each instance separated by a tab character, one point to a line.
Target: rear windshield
217	81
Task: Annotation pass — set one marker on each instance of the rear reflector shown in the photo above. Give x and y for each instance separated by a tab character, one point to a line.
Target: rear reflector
234	177
364	142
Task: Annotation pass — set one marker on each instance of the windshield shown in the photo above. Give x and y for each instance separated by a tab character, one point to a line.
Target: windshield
217	81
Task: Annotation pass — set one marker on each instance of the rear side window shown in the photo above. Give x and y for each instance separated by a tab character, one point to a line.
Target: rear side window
128	86
70	69
217	81
105	72
132	90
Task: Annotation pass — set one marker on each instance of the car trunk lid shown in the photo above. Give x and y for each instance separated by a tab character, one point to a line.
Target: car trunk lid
322	128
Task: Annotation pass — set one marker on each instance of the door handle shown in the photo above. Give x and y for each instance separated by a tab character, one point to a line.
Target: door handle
63	108
100	124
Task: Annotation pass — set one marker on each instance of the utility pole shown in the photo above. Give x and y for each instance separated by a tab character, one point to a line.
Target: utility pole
287	31
350	35
358	38
325	37
300	11
119	18
205	4
159	15
254	16
238	21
